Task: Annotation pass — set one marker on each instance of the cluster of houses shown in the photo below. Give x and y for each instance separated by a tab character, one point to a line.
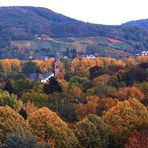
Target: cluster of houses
143	53
46	76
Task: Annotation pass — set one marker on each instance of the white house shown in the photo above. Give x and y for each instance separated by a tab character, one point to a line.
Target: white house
43	77
90	56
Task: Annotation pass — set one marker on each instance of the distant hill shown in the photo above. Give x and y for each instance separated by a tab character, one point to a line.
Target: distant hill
36	27
139	23
26	22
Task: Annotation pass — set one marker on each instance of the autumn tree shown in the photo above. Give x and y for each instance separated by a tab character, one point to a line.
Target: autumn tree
47	125
91	132
12	122
64	105
22	85
9	65
7	99
101	80
45	65
143	87
128	92
102	91
81	66
123	119
101	128
104	104
76	92
38	98
96	71
82	82
83	110
30	67
138	140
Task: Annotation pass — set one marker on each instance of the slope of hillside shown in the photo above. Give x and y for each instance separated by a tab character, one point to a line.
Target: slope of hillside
99	46
139	23
25	22
41	28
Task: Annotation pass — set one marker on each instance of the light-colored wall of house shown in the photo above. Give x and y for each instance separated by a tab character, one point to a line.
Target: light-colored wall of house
45	80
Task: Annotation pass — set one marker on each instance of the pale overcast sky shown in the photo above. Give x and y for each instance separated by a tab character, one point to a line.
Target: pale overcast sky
95	11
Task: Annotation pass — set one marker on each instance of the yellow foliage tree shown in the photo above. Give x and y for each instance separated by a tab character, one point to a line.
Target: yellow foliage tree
47	125
11	122
45	65
123	119
9	65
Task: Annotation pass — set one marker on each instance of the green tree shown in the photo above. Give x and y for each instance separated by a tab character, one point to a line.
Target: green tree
143	87
38	98
101	128
7	99
52	86
9	87
91	132
64	105
102	91
22	85
30	67
96	71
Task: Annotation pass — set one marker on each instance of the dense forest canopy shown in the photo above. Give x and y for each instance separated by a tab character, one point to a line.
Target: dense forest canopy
91	102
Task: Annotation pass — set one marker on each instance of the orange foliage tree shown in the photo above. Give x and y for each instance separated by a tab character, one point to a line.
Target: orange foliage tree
138	140
82	110
128	92
104	104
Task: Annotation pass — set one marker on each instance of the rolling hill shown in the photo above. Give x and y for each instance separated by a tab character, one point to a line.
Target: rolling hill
139	23
25	31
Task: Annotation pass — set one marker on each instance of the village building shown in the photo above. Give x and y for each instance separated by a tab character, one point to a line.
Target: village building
46	76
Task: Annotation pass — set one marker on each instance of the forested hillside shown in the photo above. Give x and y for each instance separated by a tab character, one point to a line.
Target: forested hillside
31	23
139	23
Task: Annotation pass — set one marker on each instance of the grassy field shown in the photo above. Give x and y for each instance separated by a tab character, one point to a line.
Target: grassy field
99	45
